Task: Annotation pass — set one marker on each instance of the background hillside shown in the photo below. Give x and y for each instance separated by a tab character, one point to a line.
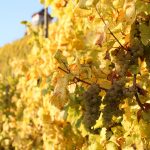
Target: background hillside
18	49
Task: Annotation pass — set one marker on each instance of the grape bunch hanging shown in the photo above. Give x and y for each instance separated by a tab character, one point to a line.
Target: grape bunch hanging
92	102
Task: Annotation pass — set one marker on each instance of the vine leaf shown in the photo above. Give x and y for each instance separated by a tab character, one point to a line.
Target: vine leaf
85	4
61	59
59	96
145	34
130	11
100	38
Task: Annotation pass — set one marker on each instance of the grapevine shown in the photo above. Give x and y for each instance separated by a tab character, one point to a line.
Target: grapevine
85	86
92	102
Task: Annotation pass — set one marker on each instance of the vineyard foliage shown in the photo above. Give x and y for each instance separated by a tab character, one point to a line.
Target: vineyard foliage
17	50
87	86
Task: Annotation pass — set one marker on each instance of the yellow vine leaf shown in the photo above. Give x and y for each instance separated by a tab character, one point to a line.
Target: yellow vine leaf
59	96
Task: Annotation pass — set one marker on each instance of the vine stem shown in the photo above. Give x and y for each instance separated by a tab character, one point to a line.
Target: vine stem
109	29
80	80
63	70
75	78
134	81
45	21
139	102
136	94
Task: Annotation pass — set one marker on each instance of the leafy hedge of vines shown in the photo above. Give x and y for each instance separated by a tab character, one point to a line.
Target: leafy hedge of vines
85	87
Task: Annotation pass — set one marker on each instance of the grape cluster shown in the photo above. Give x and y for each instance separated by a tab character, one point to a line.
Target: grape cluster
137	50
92	102
129	92
135	32
122	59
136	46
125	58
111	101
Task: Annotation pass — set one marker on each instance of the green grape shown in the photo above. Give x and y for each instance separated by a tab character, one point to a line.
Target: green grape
129	92
122	60
135	32
92	102
113	98
136	47
125	59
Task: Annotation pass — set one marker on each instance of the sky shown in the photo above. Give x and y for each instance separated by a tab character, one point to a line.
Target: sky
12	12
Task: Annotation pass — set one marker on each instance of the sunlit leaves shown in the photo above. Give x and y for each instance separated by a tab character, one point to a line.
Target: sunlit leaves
61	59
45	107
46	3
59	97
129	9
85	4
142	6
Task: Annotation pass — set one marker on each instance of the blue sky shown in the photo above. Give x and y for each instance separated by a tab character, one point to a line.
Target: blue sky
12	12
